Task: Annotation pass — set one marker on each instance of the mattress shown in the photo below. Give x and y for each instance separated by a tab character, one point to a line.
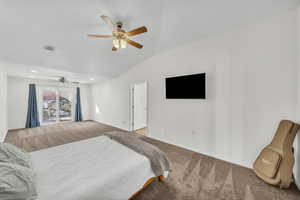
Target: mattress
92	169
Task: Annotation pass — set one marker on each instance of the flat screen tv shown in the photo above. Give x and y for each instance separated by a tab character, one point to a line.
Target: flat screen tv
186	87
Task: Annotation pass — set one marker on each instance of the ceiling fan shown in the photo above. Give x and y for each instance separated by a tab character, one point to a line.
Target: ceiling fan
119	35
62	79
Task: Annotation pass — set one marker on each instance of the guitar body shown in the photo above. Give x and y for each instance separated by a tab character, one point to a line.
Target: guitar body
276	161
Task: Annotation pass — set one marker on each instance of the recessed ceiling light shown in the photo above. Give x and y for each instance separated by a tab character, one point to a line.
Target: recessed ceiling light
92	79
34	71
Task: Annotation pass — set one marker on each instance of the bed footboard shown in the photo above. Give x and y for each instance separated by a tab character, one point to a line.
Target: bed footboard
151	180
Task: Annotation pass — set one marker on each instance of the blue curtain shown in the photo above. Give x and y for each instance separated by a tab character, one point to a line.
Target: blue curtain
78	114
32	111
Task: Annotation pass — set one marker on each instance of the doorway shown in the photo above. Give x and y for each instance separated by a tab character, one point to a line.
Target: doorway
139	108
56	105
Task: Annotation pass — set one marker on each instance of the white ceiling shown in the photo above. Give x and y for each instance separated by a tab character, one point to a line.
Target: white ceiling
43	73
26	26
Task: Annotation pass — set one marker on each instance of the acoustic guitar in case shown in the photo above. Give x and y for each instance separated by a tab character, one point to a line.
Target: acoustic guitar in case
276	161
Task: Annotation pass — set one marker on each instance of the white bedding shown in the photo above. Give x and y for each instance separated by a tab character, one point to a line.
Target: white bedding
93	169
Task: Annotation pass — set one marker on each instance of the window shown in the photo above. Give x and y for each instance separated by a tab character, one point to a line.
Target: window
56	104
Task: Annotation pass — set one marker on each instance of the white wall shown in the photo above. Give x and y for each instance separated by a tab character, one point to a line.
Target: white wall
251	86
17	98
3	105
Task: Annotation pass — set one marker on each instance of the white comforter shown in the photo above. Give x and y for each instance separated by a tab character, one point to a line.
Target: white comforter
93	169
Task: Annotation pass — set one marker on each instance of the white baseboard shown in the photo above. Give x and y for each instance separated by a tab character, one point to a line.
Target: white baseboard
203	153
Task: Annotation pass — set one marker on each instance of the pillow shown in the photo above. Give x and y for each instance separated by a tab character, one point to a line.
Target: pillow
12	154
17	182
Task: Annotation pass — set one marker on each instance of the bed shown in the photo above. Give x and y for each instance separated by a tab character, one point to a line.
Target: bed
95	168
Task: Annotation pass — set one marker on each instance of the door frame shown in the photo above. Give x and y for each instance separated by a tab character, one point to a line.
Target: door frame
132	104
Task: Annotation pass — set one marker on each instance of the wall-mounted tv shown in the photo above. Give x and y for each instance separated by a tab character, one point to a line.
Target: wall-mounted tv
186	87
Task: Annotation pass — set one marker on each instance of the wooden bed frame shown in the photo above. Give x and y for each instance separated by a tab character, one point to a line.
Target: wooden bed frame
151	180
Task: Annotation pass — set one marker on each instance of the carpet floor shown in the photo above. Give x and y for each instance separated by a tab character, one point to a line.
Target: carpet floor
194	176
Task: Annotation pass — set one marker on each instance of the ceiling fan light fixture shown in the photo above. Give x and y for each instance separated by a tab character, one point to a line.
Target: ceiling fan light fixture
119	43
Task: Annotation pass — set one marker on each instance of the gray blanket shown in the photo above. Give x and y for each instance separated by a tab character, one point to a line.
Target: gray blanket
158	159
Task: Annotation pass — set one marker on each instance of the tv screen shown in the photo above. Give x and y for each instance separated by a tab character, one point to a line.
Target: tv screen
186	87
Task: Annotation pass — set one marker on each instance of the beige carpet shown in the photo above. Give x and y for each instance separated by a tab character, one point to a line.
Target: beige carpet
194	176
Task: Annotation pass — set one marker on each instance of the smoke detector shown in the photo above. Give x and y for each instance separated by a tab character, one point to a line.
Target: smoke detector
49	48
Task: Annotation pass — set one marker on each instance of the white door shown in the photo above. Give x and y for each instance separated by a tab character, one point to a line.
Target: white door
139	106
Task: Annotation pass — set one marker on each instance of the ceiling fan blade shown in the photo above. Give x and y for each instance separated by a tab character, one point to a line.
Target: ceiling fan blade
135	44
99	36
137	31
107	20
114	49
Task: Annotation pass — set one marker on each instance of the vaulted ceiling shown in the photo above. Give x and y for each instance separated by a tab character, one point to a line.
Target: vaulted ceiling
27	26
